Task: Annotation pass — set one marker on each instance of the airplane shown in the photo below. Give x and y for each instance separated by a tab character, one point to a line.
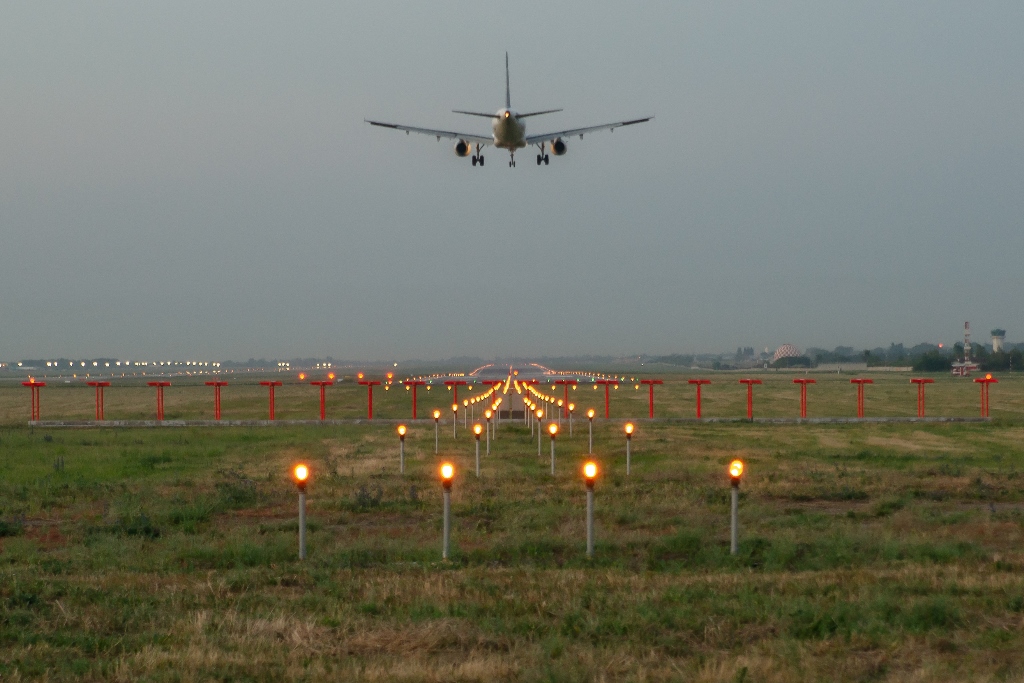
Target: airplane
509	132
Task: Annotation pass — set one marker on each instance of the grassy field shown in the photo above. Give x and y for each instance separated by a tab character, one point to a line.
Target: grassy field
869	552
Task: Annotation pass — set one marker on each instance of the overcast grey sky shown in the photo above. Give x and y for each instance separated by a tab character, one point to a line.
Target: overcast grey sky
194	179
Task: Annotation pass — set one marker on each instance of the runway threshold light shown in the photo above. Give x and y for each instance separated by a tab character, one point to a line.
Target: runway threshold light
301	474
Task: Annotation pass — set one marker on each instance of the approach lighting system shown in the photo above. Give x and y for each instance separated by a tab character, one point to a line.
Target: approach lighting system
629	429
590	473
478	429
402	429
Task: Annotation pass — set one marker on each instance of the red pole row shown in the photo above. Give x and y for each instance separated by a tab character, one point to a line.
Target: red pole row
698	383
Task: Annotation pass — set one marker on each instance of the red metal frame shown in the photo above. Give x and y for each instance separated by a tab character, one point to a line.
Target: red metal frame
414	384
271	385
920	382
323	384
650	400
984	382
216	397
803	382
369	396
860	382
607	383
34	386
699	383
455	384
566	383
750	395
159	398
99	398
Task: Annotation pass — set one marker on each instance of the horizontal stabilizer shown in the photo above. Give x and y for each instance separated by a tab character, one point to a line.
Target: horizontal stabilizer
475	113
537	113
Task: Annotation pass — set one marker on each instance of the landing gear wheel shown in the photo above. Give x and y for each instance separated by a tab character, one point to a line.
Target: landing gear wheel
481	159
474	160
545	159
539	159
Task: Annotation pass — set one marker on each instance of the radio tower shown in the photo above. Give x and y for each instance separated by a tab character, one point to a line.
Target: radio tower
963	368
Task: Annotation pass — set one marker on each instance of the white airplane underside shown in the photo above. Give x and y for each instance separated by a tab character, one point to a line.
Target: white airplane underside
508	131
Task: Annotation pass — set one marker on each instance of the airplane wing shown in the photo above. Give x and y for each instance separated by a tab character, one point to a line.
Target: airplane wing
536	139
468	137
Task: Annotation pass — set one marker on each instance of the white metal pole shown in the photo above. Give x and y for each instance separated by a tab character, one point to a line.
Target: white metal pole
302	524
628	441
447	521
401	456
552	456
590	522
478	457
734	544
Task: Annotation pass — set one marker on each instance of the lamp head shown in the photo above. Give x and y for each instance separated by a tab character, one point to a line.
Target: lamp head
736	471
401	430
629	429
590	414
553	429
447	474
477	429
590	473
437	415
301	475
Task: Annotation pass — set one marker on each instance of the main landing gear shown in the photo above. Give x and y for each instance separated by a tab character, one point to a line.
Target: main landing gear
478	158
512	162
542	157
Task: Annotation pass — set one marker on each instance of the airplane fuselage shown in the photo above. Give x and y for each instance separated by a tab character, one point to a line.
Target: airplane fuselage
509	130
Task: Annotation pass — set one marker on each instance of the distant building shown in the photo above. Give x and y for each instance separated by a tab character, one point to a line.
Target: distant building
998	336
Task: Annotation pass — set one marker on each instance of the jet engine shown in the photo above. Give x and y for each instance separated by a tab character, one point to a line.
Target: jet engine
558	147
462	148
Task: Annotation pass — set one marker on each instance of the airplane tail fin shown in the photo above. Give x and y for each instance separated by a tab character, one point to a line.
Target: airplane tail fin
508	94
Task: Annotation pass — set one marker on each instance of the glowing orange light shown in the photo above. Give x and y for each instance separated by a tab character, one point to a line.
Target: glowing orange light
302	376
447	471
437	414
477	428
540	414
487	414
572	407
629	427
988	376
736	469
301	473
553	428
401	430
330	375
590	413
360	375
455	407
590	470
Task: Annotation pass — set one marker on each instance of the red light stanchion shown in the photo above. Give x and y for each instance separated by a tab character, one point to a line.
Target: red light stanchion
159	398
34	386
566	383
750	395
650	384
607	384
413	384
271	385
860	382
920	382
699	383
323	384
803	382
216	397
455	384
369	396
984	382
99	398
